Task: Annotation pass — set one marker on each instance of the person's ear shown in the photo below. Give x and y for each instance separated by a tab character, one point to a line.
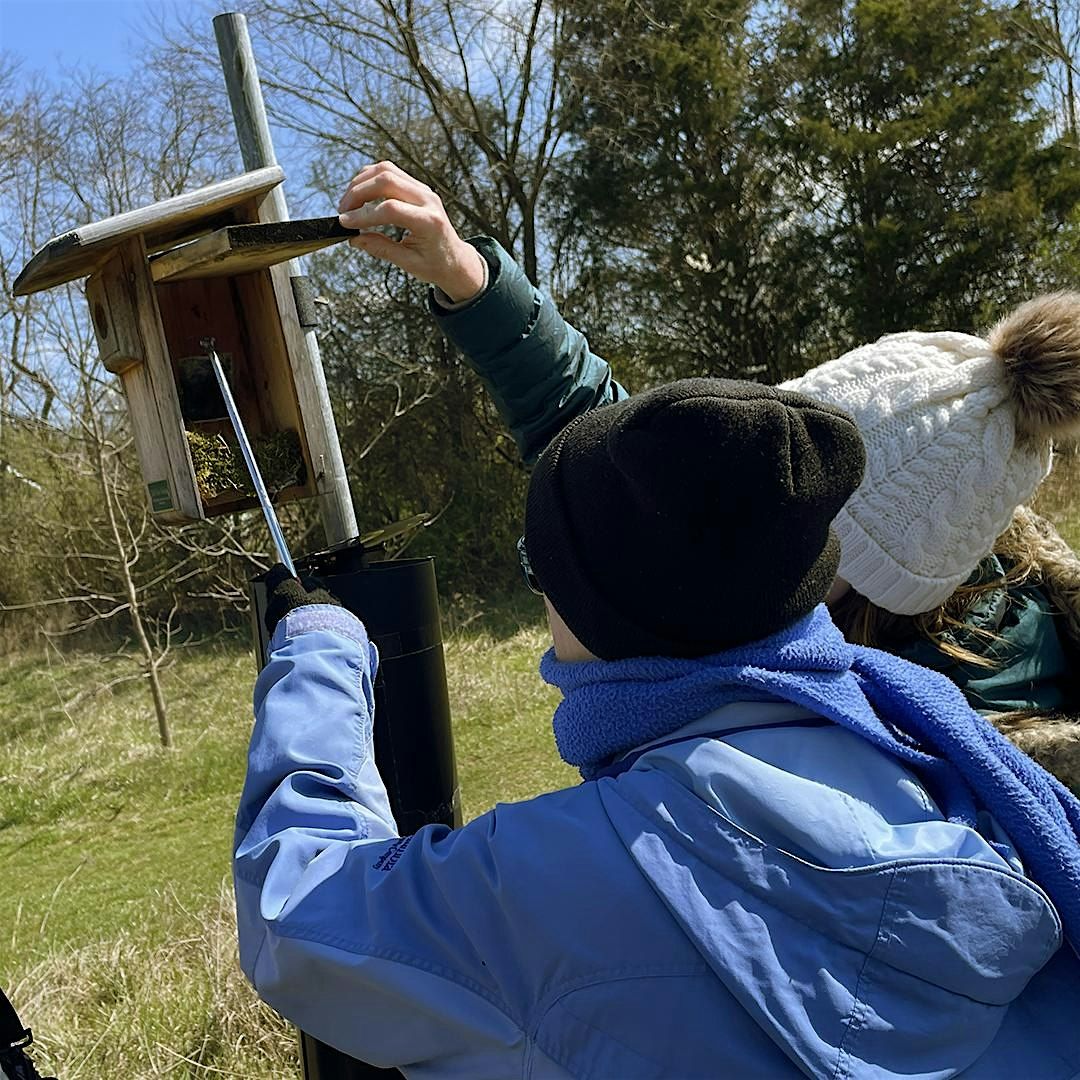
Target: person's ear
567	646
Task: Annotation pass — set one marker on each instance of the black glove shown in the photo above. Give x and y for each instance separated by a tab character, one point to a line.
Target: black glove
285	593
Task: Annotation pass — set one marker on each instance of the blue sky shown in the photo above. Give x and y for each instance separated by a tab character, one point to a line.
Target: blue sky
51	36
76	33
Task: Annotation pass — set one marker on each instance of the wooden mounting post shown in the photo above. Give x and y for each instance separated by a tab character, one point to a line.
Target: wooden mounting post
257	151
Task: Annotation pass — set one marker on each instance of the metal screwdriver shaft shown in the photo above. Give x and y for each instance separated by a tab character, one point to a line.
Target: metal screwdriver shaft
249	458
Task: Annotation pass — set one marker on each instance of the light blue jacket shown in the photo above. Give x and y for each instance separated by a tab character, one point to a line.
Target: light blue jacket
767	895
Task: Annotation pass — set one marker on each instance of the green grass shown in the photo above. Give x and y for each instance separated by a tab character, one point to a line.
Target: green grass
117	939
96	820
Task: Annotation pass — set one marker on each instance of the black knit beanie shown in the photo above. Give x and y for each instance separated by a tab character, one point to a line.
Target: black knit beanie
691	518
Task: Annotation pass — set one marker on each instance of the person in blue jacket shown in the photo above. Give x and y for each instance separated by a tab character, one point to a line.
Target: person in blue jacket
789	855
958	433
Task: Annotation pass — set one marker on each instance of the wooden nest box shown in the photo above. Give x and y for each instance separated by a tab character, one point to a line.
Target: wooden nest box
208	263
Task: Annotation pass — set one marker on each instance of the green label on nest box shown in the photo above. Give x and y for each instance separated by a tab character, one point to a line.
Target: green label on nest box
160	496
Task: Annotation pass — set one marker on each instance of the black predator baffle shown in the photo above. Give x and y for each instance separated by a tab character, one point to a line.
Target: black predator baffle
414	750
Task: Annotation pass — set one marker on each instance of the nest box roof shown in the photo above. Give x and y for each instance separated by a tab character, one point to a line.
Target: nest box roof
82	251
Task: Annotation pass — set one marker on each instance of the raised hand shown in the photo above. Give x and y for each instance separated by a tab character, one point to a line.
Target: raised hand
430	248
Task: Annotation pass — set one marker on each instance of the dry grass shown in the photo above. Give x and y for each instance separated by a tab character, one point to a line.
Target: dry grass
1059	496
126	1008
118	931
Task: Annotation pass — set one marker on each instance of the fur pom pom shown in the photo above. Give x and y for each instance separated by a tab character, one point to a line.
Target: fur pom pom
1039	343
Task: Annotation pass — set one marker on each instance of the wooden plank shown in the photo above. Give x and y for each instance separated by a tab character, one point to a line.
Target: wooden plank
317	417
276	391
241	249
118	336
187	505
84	250
153	403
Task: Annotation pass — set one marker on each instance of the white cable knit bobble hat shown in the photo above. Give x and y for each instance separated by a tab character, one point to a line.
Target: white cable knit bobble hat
958	434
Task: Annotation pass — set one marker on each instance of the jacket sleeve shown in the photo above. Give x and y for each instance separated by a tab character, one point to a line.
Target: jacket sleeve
538	369
361	938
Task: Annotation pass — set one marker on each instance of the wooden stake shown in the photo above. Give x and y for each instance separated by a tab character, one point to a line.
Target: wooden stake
257	152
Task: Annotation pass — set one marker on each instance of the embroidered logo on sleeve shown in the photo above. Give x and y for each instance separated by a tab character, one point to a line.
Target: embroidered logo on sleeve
389	858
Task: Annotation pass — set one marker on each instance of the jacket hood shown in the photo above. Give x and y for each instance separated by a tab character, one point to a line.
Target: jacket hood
921	927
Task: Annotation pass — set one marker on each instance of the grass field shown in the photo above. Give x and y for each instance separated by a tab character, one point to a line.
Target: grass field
117	934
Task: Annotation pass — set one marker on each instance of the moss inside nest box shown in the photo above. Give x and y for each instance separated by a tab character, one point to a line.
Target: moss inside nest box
220	468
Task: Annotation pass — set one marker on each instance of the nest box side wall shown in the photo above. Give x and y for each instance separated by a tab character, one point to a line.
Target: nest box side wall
131	339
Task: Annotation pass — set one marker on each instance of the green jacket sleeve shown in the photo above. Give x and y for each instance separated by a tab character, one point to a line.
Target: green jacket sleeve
538	369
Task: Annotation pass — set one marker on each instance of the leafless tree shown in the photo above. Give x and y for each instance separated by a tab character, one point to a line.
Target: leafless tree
464	95
1053	26
85	535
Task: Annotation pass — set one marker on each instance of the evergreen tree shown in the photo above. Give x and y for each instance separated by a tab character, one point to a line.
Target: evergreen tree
671	193
912	134
757	187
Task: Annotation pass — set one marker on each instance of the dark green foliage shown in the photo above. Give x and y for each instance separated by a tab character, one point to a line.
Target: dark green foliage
674	193
756	188
915	144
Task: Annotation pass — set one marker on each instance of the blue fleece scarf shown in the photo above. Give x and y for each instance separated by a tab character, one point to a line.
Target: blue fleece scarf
917	715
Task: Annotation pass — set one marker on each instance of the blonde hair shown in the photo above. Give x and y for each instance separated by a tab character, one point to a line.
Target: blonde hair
1052	739
1032	538
1036	554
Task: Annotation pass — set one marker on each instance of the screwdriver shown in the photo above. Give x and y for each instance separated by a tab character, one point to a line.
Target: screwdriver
282	548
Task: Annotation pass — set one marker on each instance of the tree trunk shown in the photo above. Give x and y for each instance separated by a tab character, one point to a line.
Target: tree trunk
150	662
1067	63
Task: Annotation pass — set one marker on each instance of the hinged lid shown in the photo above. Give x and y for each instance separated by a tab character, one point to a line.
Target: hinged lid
163	224
240	249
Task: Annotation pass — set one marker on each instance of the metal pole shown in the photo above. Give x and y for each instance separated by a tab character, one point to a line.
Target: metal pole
272	523
257	151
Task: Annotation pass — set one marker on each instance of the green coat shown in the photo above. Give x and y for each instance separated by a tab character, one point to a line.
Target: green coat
541	374
538	369
1031	669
